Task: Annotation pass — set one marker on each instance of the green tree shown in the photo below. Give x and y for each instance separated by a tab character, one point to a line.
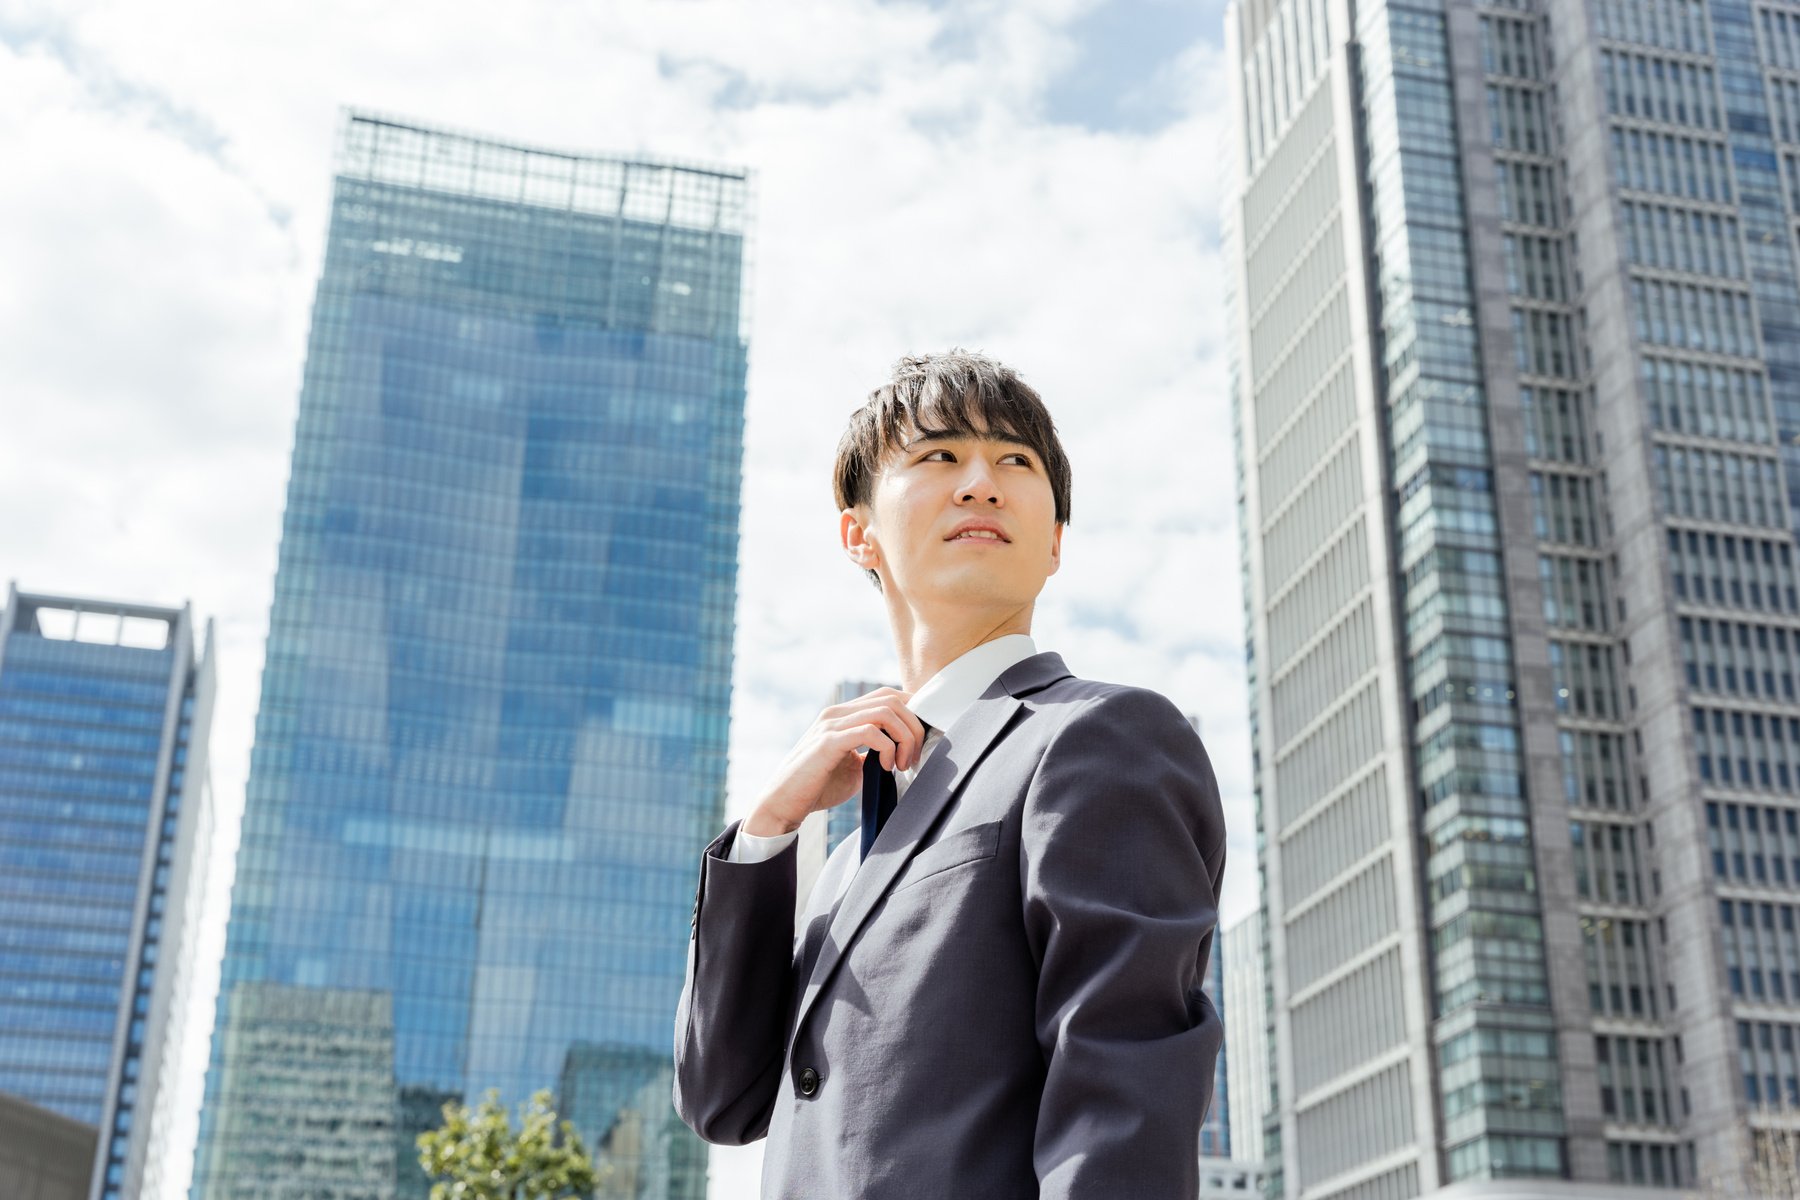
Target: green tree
476	1155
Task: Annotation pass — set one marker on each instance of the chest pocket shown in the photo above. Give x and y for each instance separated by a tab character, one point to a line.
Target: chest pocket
974	844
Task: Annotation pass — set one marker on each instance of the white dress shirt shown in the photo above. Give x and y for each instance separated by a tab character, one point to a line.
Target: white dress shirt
938	702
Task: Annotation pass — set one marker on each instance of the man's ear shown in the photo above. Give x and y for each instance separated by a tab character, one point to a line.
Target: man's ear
854	531
1056	548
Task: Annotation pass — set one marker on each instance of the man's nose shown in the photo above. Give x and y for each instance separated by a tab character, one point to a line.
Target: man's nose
979	487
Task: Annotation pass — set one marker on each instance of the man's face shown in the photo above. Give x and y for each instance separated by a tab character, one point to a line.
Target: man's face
967	520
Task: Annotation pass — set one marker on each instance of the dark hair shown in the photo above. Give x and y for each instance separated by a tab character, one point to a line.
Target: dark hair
954	394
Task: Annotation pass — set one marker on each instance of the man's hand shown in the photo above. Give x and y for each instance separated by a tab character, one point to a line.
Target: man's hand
823	769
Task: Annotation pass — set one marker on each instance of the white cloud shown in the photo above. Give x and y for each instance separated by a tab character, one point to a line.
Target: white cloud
163	209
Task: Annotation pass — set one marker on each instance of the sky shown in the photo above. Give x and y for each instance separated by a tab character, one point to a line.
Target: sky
1038	180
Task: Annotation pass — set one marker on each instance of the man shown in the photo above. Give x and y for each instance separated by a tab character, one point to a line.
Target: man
995	991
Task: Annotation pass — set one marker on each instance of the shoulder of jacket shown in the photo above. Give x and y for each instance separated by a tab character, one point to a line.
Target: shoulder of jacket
1084	698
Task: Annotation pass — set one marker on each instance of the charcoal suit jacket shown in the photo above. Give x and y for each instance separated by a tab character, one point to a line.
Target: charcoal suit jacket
1006	1002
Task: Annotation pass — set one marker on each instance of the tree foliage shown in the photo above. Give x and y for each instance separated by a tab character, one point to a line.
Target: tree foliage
1767	1163
477	1155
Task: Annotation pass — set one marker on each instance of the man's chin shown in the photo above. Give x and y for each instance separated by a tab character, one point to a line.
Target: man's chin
984	591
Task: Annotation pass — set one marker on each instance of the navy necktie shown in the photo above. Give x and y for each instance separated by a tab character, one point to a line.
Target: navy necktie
879	796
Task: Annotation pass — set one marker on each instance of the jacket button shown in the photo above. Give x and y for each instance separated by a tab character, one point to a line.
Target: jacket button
809	1081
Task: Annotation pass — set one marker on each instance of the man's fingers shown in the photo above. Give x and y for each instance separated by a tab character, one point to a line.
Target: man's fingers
877	739
894	717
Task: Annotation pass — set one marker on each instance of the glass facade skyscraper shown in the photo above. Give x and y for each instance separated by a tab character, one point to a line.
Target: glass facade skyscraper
493	724
105	828
1215	1130
1516	383
1243	1003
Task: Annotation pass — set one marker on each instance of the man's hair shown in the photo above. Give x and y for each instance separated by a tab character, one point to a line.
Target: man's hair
954	394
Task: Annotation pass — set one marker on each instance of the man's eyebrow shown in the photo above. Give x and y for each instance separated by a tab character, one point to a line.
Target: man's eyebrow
950	435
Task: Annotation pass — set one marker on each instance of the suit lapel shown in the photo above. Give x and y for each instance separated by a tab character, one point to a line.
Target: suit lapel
945	771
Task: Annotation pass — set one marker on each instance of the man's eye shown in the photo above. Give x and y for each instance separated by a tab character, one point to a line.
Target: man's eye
1024	459
947	456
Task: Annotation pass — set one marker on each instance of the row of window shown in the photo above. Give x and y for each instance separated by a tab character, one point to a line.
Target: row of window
1536	266
1593	769
1681	239
1653	1163
1762	953
383	159
1512	47
1620	974
1766	1056
1634	1080
1584	679
81	737
1544	343
1519	118
1673	91
1606	862
15	704
1565	508
19	679
1716	320
1530	192
1511	1155
36	758
1784	96
1754	751
1575	593
1758	662
1705	399
64	787
1713	485
1669	24
1556	423
61	810
1723	569
1753	844
1649	160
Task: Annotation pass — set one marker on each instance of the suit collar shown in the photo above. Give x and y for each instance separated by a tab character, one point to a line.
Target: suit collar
1030	675
942	775
944	697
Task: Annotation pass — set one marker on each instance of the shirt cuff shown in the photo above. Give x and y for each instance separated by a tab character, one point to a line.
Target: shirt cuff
748	848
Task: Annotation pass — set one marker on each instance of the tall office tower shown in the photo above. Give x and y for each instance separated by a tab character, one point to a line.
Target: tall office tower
1517	384
1244	1004
105	830
1215	1130
492	734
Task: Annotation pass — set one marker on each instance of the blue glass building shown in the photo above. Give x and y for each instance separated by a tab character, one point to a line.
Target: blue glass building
493	725
104	827
1215	1131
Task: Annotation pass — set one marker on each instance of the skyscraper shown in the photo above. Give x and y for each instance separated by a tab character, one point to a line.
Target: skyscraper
493	724
1215	1130
105	828
1244	1006
1517	388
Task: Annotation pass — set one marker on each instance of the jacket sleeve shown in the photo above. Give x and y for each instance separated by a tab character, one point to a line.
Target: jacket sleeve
730	1027
1122	850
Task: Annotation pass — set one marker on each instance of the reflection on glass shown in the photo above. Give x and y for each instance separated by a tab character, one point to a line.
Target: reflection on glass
492	733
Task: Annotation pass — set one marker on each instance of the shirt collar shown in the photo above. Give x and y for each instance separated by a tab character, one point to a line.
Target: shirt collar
944	697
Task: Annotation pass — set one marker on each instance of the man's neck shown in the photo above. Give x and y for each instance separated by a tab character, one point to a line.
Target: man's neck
927	647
